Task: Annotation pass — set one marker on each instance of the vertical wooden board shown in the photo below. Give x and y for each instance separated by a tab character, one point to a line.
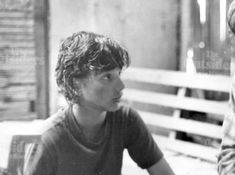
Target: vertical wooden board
41	52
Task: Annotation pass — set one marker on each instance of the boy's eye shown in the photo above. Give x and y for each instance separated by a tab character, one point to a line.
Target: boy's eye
108	77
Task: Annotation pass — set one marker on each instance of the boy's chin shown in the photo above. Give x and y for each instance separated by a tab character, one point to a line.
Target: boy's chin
114	107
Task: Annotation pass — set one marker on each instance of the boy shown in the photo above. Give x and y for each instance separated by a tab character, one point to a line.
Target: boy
94	130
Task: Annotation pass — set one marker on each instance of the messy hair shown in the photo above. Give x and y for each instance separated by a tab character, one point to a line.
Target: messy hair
83	53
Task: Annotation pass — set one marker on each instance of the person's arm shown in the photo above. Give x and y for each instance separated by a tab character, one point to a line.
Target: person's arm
226	157
161	168
143	149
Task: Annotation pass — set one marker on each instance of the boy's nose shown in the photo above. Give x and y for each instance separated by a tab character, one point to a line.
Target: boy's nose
120	85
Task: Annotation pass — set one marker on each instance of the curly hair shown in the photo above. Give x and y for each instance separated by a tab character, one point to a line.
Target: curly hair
83	53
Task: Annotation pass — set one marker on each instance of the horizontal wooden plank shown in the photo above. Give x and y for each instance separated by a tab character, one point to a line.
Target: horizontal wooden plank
17	66
16	60
24	74
14	56
12	8
22	80
17	82
14	77
178	79
19	93
17	44
18	26
14	89
19	40
23	106
16	5
17	22
17	36
180	124
16	33
27	50
11	52
15	110
27	82
15	74
14	66
16	29
173	101
187	148
9	41
16	14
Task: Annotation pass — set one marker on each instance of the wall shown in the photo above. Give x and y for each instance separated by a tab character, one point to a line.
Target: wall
147	28
17	60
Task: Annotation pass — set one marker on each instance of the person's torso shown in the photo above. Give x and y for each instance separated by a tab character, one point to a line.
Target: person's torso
77	155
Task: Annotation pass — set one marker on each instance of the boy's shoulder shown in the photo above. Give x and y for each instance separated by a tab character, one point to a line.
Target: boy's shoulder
53	128
55	119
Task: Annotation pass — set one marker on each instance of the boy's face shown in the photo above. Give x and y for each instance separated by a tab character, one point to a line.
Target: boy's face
102	91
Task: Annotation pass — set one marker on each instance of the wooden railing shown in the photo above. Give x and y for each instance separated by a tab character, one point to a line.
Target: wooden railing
178	101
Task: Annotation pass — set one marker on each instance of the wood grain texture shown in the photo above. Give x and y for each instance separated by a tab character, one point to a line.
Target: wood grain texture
17	60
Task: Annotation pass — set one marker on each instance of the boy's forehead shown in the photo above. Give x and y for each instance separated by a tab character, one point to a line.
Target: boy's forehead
102	72
116	69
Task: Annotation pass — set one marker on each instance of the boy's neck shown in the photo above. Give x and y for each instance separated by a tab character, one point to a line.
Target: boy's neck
88	118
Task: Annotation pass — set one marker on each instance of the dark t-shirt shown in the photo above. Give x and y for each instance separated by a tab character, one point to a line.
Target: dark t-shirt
66	151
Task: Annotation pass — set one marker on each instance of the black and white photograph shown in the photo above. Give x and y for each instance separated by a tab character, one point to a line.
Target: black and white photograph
117	87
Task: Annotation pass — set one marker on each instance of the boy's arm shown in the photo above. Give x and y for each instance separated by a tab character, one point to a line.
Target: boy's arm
161	168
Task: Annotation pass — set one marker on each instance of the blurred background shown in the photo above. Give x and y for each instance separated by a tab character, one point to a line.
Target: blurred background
181	35
158	34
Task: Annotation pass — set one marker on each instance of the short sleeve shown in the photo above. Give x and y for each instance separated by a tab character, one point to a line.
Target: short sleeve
140	143
42	161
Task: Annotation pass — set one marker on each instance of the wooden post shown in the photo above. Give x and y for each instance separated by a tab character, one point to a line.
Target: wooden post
185	32
41	52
